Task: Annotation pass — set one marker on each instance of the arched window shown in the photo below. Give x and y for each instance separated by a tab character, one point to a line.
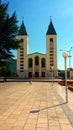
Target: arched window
51	39
30	62
51	43
43	62
36	60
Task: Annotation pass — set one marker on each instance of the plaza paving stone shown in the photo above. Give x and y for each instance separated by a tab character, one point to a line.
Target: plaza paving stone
36	106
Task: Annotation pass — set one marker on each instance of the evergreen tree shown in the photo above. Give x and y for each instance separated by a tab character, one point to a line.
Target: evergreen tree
8	34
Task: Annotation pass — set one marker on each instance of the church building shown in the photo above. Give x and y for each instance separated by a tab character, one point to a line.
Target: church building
37	64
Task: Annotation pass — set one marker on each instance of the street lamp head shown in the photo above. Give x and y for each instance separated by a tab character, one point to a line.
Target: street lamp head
65	54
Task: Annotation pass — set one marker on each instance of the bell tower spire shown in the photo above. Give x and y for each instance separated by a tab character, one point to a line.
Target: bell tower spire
51	30
22	30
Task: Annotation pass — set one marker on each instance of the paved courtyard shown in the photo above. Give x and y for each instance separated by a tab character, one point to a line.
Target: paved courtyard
36	106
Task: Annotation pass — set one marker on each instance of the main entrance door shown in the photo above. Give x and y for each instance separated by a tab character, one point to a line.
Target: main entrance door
43	74
36	74
30	74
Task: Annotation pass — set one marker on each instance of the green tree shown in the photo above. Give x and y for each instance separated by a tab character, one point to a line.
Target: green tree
8	34
5	71
61	73
8	38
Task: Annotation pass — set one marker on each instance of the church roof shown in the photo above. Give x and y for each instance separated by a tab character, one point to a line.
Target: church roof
51	29
22	30
36	53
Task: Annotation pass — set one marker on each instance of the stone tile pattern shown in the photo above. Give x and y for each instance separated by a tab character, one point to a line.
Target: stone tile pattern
25	106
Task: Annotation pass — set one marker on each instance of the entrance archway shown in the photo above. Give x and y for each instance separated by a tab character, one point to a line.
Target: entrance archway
36	74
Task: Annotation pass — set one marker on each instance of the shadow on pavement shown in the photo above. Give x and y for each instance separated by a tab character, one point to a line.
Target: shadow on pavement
36	111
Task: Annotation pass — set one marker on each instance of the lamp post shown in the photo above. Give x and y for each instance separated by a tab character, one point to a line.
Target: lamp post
52	74
69	51
69	64
65	55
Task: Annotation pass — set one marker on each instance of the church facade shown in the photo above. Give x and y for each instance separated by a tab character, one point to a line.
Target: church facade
37	64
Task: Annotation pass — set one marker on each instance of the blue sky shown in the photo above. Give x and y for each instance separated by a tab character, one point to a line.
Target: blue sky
37	14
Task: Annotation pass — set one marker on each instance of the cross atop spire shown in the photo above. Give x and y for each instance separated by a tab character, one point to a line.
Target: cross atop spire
50	18
22	19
